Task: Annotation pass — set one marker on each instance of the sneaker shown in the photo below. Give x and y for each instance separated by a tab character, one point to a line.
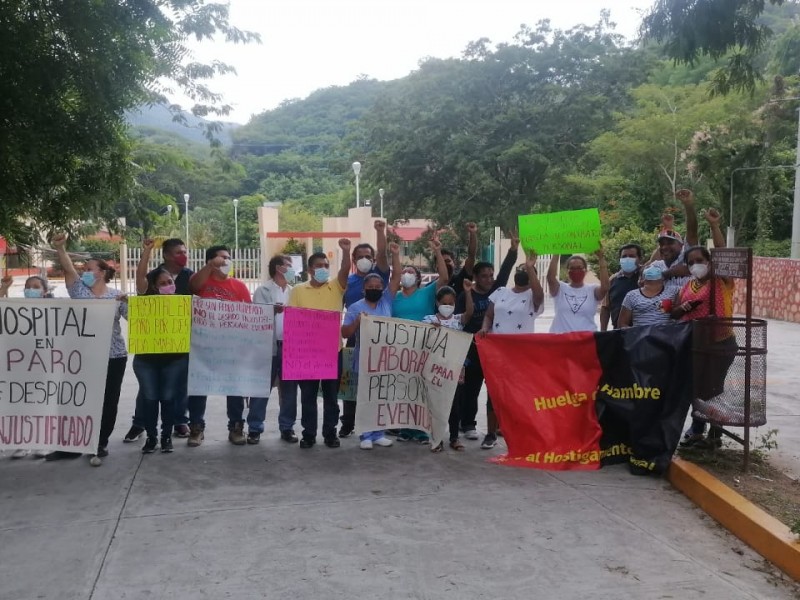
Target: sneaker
149	446
102	451
382	441
307	442
489	441
166	445
471	434
394	432
134	433
181	431
332	442
236	435
691	439
289	436
404	436
366	444
253	437
345	432
20	453
196	436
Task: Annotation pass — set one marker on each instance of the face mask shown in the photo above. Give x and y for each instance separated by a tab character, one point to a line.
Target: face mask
699	271
290	274
32	293
364	265
226	267
373	295
652	274
576	276
446	310
167	289
321	275
408	280
181	260
521	279
88	279
627	264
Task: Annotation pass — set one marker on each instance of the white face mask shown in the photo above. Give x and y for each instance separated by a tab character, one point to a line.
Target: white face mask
699	270
446	310
408	280
364	265
226	267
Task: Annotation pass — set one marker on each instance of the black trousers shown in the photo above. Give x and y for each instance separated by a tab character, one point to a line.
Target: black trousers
116	372
467	395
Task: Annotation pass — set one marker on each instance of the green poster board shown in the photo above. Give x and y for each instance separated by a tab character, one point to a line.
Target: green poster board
567	232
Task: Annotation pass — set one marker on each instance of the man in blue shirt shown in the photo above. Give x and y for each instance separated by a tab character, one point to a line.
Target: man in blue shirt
366	261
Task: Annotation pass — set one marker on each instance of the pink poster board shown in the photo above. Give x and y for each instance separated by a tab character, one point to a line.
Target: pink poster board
311	340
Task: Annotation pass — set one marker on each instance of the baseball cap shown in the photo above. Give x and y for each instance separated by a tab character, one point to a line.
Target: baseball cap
669	234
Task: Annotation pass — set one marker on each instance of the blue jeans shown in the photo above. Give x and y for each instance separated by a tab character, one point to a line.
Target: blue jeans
181	406
197	410
160	383
255	414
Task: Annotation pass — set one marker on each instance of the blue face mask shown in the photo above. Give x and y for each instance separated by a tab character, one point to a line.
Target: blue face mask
32	293
628	264
88	279
652	274
321	275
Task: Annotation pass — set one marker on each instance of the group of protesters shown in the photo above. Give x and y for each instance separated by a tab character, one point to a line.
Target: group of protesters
675	283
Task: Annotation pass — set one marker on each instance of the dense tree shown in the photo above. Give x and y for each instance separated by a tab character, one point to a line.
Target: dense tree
68	71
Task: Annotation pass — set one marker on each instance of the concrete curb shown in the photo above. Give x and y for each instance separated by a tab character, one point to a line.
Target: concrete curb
759	530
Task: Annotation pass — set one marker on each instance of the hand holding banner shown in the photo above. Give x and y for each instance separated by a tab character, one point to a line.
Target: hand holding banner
407	375
566	232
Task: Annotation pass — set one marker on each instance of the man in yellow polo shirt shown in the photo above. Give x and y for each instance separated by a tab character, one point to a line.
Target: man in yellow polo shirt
320	292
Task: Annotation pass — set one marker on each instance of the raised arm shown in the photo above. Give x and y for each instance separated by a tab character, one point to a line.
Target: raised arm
713	217
59	242
469	303
686	198
344	269
141	268
198	280
508	262
533	278
552	275
441	266
397	270
601	291
381	261
472	248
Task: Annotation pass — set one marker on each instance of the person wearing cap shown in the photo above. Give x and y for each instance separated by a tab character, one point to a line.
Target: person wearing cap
671	246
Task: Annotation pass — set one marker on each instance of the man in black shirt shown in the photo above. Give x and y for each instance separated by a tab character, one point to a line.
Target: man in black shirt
622	282
485	283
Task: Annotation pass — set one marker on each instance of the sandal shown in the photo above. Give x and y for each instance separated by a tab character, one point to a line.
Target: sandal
457	445
438	448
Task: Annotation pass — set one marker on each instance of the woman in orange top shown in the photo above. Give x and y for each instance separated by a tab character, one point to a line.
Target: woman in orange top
695	302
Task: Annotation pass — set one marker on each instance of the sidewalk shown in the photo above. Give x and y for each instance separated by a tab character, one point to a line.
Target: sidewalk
274	521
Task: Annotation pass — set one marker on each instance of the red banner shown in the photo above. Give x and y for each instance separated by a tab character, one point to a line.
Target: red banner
555	427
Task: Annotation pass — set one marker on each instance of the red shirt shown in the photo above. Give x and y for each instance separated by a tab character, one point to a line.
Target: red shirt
225	289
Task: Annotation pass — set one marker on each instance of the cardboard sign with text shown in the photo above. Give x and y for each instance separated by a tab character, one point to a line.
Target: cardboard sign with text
311	341
567	232
53	372
231	349
407	375
159	324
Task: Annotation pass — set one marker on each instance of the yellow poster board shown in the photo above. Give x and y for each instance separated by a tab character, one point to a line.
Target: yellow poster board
159	324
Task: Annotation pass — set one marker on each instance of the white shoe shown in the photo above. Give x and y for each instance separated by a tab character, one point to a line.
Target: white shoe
20	453
366	444
382	441
472	434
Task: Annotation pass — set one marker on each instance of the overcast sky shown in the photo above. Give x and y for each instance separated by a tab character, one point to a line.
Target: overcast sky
311	44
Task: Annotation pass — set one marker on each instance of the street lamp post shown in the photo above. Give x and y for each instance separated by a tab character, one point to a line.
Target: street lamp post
186	215
357	170
731	238
381	192
236	226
